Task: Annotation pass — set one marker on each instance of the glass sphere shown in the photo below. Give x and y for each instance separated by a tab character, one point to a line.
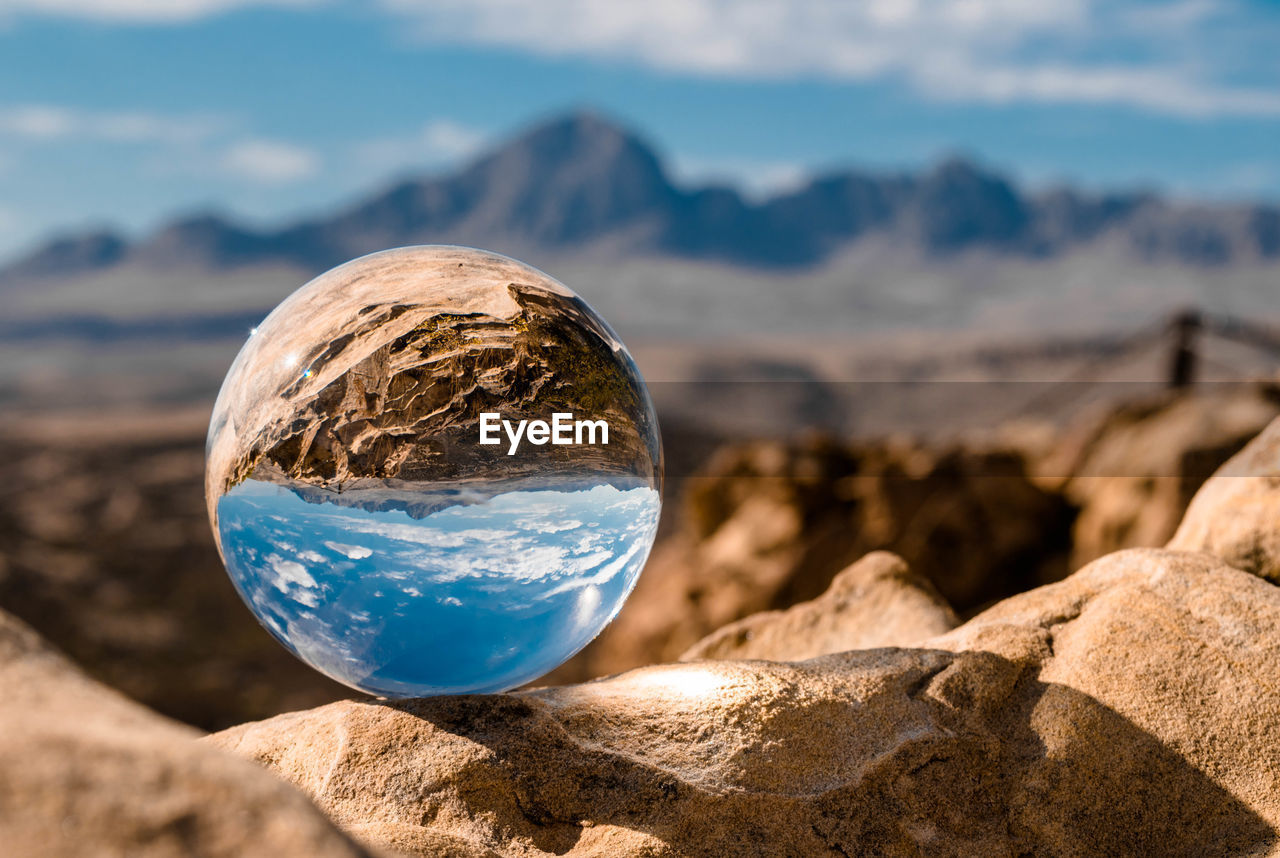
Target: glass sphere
433	470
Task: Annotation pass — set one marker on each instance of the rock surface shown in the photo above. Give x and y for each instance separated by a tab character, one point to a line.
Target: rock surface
1133	471
1129	710
374	375
769	524
84	771
1236	515
876	602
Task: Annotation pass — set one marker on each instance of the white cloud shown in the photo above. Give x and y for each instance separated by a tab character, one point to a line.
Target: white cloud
136	11
508	538
293	579
436	142
352	552
289	572
1149	54
546	524
1050	51
1042	51
609	570
1162	90
269	161
1175	17
139	127
8	220
48	122
452	139
587	609
39	122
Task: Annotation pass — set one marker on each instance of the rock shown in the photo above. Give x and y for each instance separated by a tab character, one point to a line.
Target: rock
370	381
769	524
85	771
1133	471
1236	514
876	602
105	549
1129	710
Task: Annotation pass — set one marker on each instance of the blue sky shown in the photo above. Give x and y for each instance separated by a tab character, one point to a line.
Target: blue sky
127	111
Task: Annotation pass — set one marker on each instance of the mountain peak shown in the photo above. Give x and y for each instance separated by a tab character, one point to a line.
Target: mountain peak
583	138
960	204
569	180
204	239
960	167
577	127
71	254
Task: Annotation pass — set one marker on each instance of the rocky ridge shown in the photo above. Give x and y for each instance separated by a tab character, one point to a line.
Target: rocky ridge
411	409
580	182
396	388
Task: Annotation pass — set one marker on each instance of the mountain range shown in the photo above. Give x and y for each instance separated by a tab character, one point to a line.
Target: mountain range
582	184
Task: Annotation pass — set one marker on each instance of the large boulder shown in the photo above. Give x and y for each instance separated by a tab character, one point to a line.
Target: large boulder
84	771
1236	515
1129	710
1133	470
876	602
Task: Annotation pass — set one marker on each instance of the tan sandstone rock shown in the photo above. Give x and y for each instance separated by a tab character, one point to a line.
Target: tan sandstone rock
1132	709
1236	515
84	771
876	602
769	524
1133	471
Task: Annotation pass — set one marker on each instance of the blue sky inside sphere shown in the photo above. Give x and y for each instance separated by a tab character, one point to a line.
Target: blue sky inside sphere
471	598
127	113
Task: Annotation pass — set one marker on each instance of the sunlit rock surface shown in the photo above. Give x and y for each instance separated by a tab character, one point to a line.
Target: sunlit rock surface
1126	711
876	602
1236	514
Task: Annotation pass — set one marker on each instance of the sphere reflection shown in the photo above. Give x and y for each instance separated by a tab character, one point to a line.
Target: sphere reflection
434	470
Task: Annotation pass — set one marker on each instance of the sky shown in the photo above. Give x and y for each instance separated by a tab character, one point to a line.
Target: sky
127	112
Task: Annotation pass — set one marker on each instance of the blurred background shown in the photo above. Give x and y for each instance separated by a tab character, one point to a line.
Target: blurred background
993	284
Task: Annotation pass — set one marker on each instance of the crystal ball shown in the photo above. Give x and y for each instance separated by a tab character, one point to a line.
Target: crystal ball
433	470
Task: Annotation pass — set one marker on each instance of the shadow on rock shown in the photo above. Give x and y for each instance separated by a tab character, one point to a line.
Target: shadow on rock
877	752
